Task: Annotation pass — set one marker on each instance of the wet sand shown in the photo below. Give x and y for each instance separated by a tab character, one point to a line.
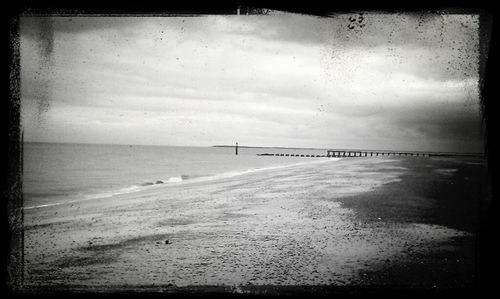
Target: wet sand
354	223
441	191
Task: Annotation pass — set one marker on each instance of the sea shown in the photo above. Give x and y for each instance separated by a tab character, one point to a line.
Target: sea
57	173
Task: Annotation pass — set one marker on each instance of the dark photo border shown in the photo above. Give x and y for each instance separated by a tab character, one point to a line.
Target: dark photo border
12	177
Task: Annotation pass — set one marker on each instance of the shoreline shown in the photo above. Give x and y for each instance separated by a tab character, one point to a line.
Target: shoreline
142	188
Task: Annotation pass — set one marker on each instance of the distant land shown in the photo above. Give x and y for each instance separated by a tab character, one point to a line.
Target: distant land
278	147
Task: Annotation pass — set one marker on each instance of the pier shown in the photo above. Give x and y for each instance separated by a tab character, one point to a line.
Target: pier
371	153
337	153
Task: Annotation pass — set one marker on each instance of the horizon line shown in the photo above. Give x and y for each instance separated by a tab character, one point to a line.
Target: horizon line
252	146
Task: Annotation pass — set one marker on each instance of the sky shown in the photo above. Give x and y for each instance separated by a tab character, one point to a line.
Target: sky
360	81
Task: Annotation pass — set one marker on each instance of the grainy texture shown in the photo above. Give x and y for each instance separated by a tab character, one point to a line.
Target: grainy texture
351	222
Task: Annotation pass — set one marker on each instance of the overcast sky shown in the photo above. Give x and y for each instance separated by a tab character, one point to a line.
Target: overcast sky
371	81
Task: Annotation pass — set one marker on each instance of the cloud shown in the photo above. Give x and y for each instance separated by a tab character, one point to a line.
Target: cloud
299	80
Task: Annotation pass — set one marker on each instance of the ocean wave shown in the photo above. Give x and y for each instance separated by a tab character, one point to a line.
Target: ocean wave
108	194
135	188
174	181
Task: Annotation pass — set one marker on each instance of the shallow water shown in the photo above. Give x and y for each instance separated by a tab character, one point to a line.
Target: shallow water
55	172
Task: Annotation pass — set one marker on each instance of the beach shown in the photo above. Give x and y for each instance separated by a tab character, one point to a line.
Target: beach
374	221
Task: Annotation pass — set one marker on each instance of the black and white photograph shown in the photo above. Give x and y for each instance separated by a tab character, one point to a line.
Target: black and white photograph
255	151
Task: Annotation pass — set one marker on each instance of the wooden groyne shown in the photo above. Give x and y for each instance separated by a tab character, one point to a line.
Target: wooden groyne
292	155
